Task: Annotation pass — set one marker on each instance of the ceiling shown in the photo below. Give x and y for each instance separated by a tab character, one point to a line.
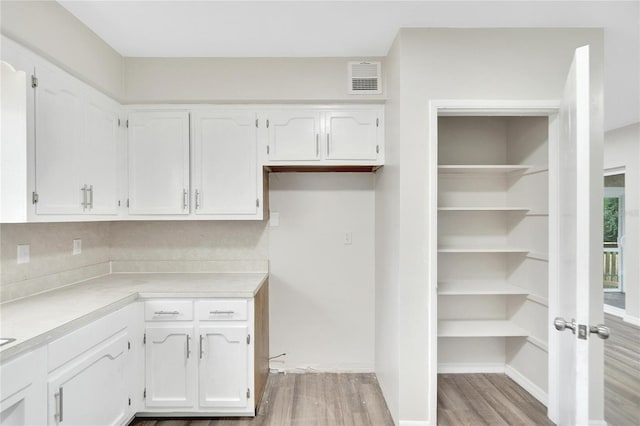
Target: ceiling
239	28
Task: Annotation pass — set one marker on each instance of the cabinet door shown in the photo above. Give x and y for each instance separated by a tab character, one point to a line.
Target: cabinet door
23	382
352	135
91	390
98	156
159	163
293	136
58	112
225	163
223	366
170	366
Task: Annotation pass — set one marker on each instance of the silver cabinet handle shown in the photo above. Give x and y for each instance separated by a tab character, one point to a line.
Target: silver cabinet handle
221	312
201	342
197	199
327	144
59	404
188	346
166	313
185	201
317	145
90	196
84	197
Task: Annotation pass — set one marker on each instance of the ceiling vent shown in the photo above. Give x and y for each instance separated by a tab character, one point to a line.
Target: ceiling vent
365	78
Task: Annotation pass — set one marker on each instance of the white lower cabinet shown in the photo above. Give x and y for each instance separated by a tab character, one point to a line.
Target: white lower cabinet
23	388
91	389
223	366
170	367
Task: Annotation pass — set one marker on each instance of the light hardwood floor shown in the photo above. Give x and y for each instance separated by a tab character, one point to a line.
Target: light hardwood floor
308	400
622	373
486	399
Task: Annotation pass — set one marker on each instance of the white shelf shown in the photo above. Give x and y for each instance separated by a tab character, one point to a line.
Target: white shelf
486	249
483	209
480	328
478	287
481	168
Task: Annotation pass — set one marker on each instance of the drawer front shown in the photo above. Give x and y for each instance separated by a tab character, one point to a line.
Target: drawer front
168	310
222	310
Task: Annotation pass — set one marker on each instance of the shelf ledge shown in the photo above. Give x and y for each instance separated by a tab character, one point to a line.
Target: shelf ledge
480	328
478	288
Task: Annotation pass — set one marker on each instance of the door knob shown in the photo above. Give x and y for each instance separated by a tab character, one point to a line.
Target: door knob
601	330
561	324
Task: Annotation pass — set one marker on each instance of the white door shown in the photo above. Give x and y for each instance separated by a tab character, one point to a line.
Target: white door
58	112
159	162
223	366
352	135
225	163
92	389
170	366
576	234
98	154
293	136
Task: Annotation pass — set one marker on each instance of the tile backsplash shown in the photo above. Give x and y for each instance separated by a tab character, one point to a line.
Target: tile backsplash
164	246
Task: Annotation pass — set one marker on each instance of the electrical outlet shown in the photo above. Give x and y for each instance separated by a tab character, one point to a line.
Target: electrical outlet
348	239
77	247
23	254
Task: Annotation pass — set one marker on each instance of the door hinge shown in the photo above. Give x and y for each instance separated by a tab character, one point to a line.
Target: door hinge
129	402
127	124
34	197
248	339
267	124
129	345
377	149
257	202
248	393
377	122
34	81
267	149
144	393
144	339
256	122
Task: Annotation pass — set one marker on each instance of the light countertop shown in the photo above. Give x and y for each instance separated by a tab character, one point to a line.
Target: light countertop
44	317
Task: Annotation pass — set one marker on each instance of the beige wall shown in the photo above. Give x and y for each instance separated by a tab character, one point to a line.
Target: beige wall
51	31
165	80
622	149
454	64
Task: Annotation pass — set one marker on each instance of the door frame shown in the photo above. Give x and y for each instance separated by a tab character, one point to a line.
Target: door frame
621	223
548	108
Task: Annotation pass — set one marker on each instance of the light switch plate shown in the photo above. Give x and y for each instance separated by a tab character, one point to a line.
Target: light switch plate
77	247
23	254
348	238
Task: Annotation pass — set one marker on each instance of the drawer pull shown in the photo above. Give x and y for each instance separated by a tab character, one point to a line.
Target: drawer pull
59	404
166	313
222	312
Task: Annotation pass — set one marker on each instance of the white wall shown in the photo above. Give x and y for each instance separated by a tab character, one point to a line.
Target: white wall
622	149
321	291
456	64
53	32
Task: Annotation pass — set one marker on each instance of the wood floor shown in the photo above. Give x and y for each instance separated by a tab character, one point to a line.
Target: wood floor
308	400
622	373
486	399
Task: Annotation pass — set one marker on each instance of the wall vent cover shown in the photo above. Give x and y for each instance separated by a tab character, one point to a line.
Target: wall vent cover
365	78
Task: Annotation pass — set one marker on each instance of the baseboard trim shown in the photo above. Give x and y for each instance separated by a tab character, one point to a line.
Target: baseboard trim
632	320
460	368
537	392
612	310
597	423
413	423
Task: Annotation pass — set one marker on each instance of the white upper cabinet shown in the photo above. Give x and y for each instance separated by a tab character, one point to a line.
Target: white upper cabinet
59	125
293	135
320	136
159	163
352	135
226	179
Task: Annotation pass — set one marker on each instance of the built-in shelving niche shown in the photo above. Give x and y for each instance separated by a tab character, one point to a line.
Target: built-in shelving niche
493	245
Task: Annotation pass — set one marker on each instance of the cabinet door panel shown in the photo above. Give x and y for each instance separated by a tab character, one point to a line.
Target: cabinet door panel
294	136
99	157
225	163
159	163
58	112
223	366
92	389
353	135
170	367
